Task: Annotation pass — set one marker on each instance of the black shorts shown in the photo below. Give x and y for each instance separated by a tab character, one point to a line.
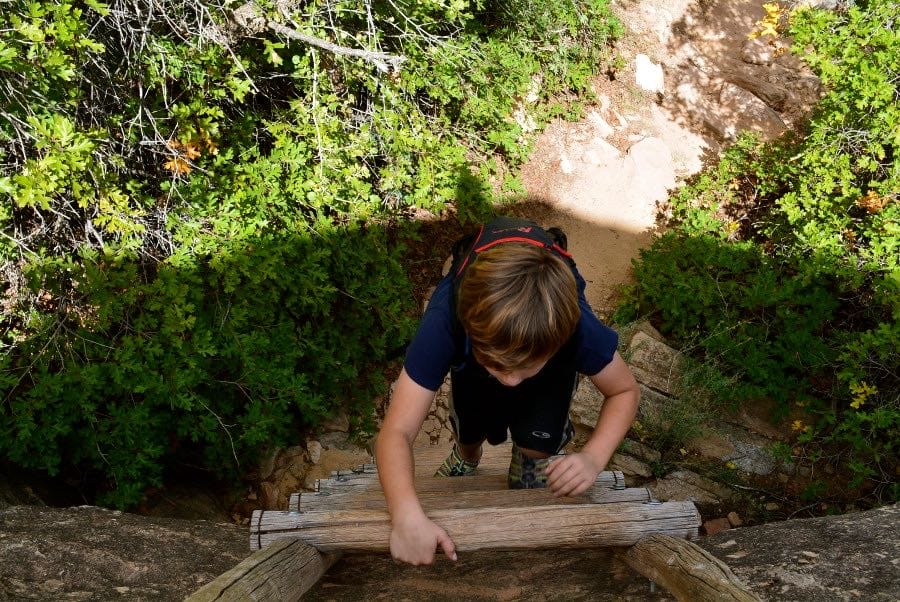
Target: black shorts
535	412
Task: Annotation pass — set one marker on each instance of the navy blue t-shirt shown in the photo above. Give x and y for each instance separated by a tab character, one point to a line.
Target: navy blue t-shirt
432	351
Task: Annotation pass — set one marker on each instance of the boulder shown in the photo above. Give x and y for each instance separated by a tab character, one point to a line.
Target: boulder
685	485
850	557
653	363
88	553
748	112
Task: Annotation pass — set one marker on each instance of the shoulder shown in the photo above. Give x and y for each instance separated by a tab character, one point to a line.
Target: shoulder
432	350
597	342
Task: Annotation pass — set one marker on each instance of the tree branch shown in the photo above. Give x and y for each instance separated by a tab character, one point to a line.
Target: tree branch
251	19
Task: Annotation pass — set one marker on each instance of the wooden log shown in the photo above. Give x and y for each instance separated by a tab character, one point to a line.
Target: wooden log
283	571
686	570
529	527
505	498
610	479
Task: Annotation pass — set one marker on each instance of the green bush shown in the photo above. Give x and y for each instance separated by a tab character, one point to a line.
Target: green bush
202	226
783	261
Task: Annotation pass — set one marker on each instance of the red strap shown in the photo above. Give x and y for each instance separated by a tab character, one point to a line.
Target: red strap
530	241
469	254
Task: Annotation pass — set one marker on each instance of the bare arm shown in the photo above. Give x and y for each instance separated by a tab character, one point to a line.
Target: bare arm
414	538
574	474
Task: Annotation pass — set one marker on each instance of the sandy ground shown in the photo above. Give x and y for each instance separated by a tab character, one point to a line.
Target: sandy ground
602	179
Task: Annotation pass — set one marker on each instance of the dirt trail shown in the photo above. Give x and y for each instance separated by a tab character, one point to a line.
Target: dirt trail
602	178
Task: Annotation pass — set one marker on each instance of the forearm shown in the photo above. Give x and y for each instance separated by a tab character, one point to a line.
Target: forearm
616	416
396	470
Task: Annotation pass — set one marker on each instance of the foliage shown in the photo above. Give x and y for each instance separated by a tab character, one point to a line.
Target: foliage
783	263
202	216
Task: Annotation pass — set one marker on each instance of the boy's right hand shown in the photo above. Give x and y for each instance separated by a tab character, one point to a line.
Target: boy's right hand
414	539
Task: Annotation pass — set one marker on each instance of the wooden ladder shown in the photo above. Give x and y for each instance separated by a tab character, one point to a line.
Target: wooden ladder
347	513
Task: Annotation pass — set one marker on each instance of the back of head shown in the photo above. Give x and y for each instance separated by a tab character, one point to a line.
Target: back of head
519	304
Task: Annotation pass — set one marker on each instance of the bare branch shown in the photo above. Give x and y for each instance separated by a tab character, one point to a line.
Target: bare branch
250	18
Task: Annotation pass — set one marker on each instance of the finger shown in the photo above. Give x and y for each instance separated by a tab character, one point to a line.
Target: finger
577	486
554	465
447	545
560	474
567	488
563	481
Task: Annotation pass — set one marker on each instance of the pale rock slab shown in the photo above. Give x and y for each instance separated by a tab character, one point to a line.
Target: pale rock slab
748	112
648	75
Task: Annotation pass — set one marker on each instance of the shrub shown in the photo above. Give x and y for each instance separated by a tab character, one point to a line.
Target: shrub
783	262
201	224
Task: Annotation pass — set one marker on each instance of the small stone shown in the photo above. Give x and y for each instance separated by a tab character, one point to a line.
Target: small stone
601	127
648	75
804	471
315	451
716	525
772	506
735	519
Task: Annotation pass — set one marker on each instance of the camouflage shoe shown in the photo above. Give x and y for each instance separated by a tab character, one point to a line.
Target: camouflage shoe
525	472
455	466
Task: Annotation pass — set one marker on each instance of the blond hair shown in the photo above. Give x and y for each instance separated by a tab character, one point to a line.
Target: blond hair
518	303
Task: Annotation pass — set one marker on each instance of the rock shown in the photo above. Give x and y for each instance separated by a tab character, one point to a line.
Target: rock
684	485
711	445
734	519
268	464
850	557
315	450
90	553
639	450
586	404
335	459
270	496
756	416
648	75
601	127
774	96
600	152
748	451
748	112
821	4
757	52
629	466
653	363
627	333
652	404
716	525
772	506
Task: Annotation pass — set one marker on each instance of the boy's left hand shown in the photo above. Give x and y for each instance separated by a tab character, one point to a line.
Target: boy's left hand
572	475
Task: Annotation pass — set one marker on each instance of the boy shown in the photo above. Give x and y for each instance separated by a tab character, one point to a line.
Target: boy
511	324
